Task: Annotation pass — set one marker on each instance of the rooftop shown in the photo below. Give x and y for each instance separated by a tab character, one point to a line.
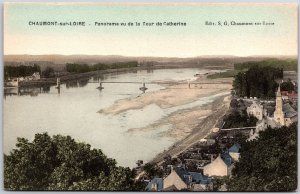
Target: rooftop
288	110
235	148
197	177
158	182
226	158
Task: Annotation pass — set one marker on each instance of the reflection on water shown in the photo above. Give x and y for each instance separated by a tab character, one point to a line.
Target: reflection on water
74	112
82	83
33	91
77	83
45	89
72	84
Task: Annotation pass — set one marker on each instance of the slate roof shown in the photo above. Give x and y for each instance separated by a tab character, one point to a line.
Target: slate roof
288	111
196	176
183	174
158	181
226	158
235	148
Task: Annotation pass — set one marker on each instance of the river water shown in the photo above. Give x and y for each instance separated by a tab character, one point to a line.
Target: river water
73	112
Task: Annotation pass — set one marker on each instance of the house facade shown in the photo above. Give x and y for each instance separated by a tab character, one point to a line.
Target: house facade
256	110
181	179
221	166
176	180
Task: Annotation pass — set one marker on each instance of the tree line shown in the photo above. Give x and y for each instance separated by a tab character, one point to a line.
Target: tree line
288	86
20	71
257	82
286	65
83	68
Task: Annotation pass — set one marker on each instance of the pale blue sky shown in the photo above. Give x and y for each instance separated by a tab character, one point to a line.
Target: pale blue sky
193	40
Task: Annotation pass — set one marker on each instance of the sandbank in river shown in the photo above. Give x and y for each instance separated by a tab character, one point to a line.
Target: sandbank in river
187	125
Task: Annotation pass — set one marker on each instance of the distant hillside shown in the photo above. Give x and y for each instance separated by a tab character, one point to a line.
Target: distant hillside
59	61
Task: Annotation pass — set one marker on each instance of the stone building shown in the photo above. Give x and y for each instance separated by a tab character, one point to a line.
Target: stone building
181	179
284	114
278	114
221	166
256	110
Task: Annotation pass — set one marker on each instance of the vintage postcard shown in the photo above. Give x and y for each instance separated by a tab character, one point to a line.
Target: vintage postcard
150	96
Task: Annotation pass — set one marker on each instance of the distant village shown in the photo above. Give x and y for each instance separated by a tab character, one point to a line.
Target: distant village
14	82
215	156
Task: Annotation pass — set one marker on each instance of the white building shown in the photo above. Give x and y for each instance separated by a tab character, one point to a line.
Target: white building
256	110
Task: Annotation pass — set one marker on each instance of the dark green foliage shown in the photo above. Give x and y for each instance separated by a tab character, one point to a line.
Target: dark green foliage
77	68
82	68
219	181
48	72
236	119
20	71
268	163
286	65
257	82
152	171
287	86
60	163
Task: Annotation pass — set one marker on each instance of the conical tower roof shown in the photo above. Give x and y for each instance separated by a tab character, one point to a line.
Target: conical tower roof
278	91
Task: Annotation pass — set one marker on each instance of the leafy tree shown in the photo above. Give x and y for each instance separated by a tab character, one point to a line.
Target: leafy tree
82	68
48	72
287	86
20	71
268	163
236	119
287	64
257	82
218	182
152	170
60	163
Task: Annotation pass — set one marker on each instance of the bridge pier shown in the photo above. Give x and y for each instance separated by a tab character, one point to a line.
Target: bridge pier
100	87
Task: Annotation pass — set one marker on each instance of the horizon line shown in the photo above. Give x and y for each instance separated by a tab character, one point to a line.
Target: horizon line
231	55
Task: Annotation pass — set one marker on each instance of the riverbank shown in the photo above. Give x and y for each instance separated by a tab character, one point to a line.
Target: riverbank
218	109
71	77
198	108
77	76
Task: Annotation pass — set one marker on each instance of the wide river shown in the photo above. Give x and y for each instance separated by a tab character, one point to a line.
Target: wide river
73	112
